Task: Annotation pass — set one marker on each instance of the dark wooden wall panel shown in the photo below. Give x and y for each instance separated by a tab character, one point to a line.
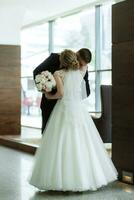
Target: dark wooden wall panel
123	63
123	21
10	90
123	86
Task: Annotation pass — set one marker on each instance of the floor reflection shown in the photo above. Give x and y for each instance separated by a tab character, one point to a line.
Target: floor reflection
15	169
114	191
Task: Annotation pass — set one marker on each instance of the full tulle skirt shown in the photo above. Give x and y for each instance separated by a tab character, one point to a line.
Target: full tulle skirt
71	156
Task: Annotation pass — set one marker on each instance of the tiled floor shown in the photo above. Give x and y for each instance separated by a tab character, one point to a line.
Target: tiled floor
15	168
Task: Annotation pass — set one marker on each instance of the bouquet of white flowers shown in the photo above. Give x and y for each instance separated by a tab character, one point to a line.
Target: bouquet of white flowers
45	81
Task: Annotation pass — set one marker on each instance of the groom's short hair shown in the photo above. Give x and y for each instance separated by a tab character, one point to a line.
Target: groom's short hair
85	54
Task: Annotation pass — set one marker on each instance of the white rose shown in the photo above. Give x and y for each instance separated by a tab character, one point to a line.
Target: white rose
42	76
48	86
43	81
37	78
53	82
39	86
44	73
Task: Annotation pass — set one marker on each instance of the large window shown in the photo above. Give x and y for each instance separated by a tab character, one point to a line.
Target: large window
75	32
103	51
34	49
90	28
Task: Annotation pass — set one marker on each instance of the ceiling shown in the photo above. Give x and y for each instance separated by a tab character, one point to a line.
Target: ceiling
37	10
16	15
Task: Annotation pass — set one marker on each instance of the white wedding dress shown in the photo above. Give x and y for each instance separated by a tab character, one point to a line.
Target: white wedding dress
71	156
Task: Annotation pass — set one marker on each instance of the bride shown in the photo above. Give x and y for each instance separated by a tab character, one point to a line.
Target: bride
71	156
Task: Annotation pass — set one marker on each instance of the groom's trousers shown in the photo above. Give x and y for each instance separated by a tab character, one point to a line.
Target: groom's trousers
46	108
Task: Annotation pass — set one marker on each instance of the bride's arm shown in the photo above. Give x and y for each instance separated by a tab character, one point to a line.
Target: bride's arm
60	90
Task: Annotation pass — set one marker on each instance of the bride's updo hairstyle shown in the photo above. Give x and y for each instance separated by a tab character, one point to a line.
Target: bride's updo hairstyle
68	60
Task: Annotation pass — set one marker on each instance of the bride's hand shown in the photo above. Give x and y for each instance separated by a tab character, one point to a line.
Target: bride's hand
46	94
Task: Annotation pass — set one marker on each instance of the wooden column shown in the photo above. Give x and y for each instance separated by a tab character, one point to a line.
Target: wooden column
10	90
123	86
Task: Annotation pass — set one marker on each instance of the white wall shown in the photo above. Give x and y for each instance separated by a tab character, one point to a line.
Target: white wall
11	19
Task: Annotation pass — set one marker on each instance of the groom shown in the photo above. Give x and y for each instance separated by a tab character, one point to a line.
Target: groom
52	63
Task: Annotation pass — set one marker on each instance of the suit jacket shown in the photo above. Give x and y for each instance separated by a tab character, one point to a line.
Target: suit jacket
52	64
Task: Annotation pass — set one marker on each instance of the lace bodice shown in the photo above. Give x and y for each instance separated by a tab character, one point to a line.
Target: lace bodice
61	73
72	81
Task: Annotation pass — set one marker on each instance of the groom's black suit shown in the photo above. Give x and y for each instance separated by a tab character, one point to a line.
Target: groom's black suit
51	64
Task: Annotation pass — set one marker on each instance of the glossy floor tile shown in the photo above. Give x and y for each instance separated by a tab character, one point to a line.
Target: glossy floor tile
15	167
